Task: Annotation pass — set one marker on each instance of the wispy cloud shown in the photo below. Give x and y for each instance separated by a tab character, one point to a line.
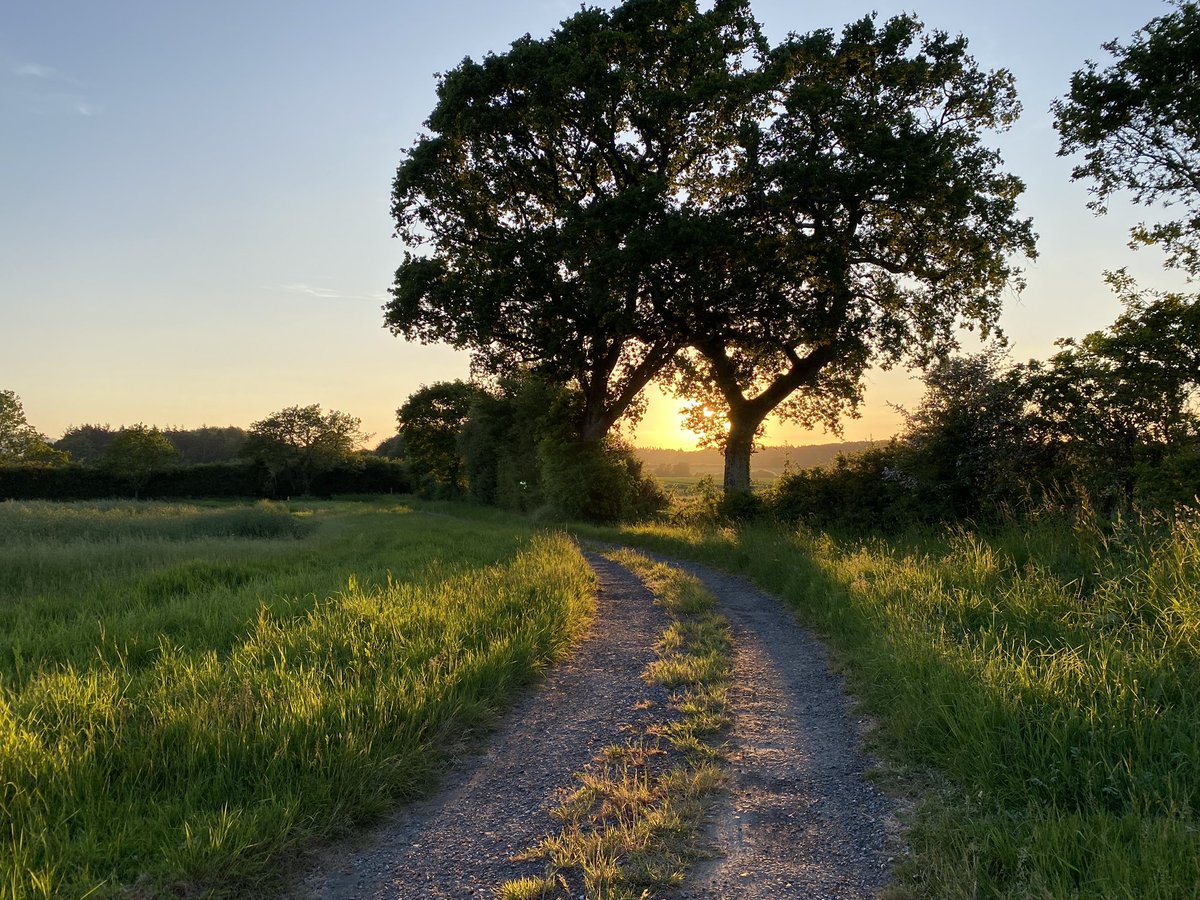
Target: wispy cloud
45	90
33	70
323	293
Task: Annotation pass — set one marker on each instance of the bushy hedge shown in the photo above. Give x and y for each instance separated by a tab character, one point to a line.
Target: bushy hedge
365	475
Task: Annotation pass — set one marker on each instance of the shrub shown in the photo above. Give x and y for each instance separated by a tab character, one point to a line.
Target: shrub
598	482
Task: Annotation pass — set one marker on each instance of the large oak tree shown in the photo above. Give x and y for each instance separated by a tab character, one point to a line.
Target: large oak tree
541	207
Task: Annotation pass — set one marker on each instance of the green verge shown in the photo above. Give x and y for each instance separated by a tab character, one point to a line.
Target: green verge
188	694
1037	685
635	822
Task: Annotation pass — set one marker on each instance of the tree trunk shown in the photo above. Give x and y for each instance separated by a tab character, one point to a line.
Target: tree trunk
596	423
738	447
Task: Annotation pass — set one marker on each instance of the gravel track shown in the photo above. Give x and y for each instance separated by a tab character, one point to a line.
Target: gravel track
801	819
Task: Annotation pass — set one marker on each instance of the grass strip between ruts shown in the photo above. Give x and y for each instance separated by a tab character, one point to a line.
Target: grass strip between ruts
636	819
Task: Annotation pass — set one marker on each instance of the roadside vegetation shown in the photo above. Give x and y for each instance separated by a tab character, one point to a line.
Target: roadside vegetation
188	694
634	824
1037	685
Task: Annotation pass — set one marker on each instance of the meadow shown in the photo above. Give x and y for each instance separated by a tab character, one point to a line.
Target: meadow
189	694
1037	688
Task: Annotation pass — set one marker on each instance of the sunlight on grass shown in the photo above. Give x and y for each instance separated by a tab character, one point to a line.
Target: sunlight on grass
633	824
191	716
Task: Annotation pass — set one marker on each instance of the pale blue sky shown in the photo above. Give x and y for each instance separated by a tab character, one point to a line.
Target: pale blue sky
194	222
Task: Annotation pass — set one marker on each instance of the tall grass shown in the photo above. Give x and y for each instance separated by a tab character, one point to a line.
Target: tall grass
210	701
1049	672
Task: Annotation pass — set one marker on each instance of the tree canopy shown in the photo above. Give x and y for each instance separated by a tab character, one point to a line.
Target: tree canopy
299	441
430	421
541	207
136	452
656	186
86	443
20	442
1137	123
866	221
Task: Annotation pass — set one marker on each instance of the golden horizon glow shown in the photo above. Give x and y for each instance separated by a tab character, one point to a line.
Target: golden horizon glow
662	426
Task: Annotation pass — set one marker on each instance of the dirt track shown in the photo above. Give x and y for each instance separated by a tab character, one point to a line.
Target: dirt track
801	819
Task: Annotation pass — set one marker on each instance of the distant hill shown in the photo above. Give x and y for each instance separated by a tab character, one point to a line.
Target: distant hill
765	464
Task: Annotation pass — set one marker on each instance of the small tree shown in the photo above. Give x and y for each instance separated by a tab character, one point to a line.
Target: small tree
20	442
136	453
431	421
1123	399
969	448
1138	124
501	440
298	442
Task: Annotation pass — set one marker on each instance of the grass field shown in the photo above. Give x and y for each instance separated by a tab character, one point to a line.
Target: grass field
188	693
1040	686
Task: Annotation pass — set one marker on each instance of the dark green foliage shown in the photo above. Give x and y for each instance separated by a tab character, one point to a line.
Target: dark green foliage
865	491
392	448
1138	124
499	442
210	480
216	480
600	482
364	475
1106	424
207	444
86	443
969	450
136	453
295	444
430	421
70	482
1119	404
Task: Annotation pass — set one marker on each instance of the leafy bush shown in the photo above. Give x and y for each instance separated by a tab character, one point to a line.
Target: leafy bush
598	482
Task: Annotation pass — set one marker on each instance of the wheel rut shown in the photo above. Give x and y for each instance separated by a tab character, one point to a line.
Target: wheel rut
496	803
802	819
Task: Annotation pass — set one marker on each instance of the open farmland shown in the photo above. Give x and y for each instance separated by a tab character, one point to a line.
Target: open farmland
187	693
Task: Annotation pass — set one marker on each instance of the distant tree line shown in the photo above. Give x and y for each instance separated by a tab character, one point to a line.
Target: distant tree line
300	450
